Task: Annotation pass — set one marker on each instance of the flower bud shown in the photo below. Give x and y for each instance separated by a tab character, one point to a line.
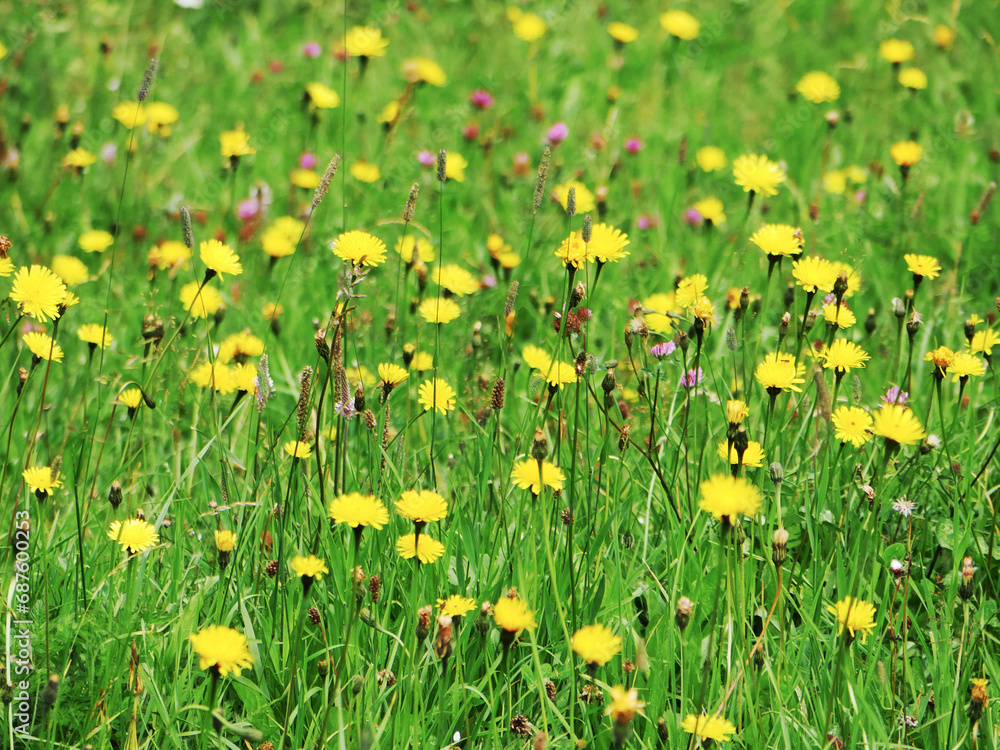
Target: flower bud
683	615
779	546
966	587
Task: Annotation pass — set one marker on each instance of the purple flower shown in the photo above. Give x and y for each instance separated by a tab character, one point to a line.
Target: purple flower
489	281
830	299
692	378
426	158
481	99
312	49
557	134
345	410
108	152
693	217
307	160
860	196
247	209
662	349
895	396
633	145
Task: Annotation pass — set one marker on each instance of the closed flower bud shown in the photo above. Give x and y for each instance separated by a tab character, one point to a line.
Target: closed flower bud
870	324
539	445
913	325
115	494
323	667
783	325
577	295
777	473
898	308
409	351
779	547
359	398
443	644
977	701
424	622
789	296
369	416
683	615
966	587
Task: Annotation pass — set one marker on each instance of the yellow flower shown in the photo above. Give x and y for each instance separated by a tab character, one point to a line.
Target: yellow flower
225	540
711	158
852	425
814	274
622	32
365	41
454	167
944	36
708	727
913	78
221	649
131	397
753	457
239	346
439	310
513	615
236	143
133	535
536	358
924	266
575	252
70	269
360	248
525	476
390	113
711	209
217	375
818	87
201	304
680	24
422	506
405	246
691	289
842	356
625	704
426	550
835	182
307	179
736	411
839	316
778	373
355	509
942	357
725	495
78	158
758	174
131	114
297	449
655	310
423	69
272	311
41	480
984	341
309	566
365	171
392	374
529	27
96	240
897	424
219	258
596	644
456	280
169	254
853	277
857	615
778	240
896	50
43	346
906	153
584	197
559	374
159	116
456	605
965	365
94	333
436	394
245	378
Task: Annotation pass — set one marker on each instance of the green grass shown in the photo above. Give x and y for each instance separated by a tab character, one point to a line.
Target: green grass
633	541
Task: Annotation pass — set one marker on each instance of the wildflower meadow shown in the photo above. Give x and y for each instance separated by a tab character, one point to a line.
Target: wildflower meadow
549	374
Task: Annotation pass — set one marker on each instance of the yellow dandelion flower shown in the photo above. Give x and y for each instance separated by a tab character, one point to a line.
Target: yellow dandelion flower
221	649
857	615
758	174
